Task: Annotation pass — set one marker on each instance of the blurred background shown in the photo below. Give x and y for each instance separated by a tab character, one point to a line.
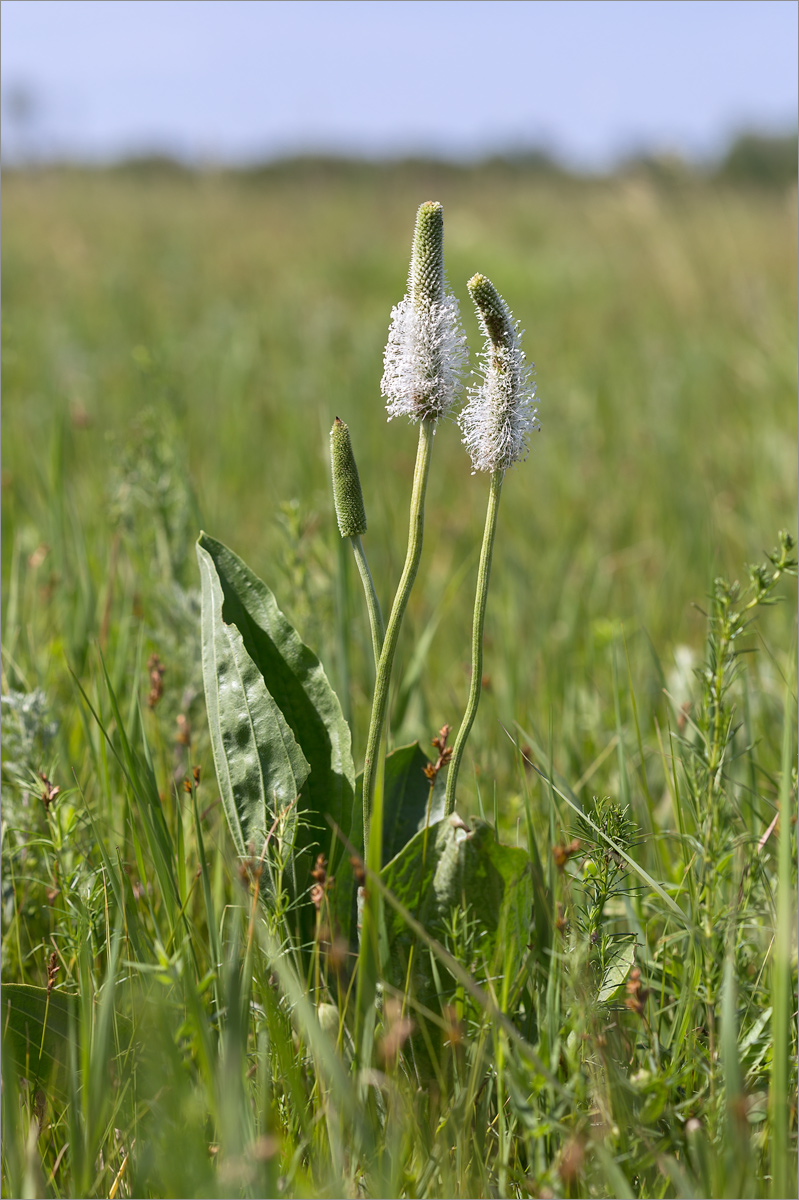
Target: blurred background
207	217
235	82
231	81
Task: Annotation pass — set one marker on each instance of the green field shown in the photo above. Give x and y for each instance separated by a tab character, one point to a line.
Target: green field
175	348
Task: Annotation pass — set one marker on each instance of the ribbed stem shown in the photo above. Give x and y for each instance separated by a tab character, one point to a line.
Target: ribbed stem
383	680
478	623
376	622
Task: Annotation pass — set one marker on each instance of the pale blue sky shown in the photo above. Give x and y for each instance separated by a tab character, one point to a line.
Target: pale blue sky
245	79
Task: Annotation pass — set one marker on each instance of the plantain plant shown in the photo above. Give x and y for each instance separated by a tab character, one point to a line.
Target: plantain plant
282	747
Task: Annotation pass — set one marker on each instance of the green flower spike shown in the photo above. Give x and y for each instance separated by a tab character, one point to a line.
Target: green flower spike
347	494
426	274
351	517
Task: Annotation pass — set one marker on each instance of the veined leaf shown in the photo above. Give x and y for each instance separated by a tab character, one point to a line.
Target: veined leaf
406	800
299	692
259	765
405	813
446	867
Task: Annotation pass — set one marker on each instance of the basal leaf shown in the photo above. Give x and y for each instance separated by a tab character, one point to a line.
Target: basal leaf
407	796
299	690
259	765
405	812
450	867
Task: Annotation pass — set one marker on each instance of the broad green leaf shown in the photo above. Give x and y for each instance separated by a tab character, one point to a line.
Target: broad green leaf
408	805
299	689
617	970
407	796
405	812
35	1033
259	765
448	867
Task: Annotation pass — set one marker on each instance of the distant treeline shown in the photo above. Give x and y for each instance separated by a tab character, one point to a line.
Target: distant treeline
752	158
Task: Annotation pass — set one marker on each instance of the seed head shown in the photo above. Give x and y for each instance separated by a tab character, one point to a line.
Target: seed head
501	412
426	351
347	494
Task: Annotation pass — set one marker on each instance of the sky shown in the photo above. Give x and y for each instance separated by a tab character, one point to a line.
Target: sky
244	80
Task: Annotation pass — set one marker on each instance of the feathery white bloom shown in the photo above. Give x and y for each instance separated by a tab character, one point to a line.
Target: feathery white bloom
424	359
425	356
501	412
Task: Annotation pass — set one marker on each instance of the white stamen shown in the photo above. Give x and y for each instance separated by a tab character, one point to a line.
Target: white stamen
424	359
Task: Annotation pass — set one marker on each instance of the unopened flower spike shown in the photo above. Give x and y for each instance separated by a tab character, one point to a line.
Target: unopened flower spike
351	518
496	423
426	353
347	494
501	412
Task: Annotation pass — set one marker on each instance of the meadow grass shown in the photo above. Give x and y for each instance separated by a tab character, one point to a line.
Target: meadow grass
175	349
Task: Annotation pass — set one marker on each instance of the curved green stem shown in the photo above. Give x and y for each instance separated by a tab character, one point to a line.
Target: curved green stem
383	680
376	622
478	623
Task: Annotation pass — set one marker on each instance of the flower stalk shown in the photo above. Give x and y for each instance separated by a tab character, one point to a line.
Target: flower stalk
384	668
423	363
376	746
495	423
478	625
376	622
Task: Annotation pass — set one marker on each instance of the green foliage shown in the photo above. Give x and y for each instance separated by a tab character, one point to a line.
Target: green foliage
412	801
295	679
448	875
28	734
36	1031
764	161
609	1018
259	764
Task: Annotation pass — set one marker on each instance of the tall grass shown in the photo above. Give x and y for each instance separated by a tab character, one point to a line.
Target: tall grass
174	352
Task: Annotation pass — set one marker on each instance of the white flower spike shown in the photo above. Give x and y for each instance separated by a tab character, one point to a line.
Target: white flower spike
501	413
426	352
